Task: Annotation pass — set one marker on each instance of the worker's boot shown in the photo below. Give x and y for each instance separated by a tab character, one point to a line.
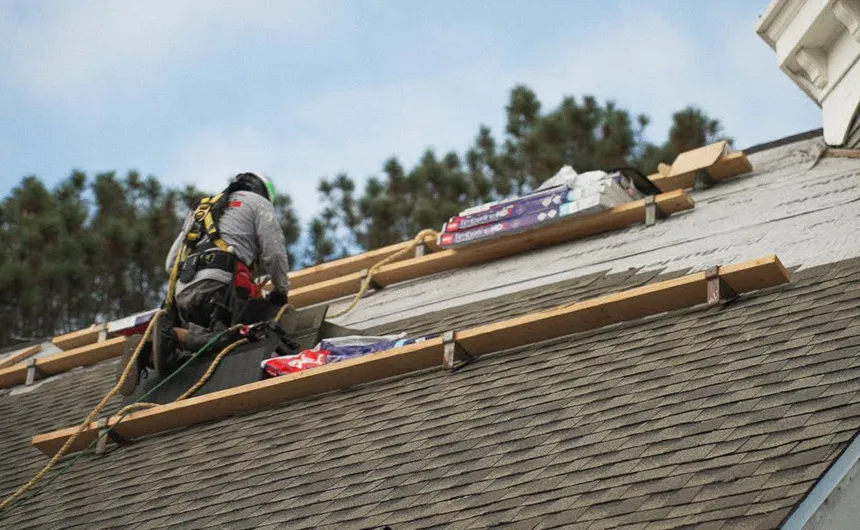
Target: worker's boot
130	382
165	345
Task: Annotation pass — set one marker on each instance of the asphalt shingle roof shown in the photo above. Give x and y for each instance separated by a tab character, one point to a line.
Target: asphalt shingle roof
713	419
719	418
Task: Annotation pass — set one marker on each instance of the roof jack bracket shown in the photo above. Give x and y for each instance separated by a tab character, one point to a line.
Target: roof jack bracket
703	180
33	372
454	352
652	211
421	250
104	434
718	289
373	283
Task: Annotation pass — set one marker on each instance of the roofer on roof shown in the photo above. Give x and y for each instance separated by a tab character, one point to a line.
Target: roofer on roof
224	238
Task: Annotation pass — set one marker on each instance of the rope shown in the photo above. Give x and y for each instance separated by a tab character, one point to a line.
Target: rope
281	313
416	241
368	281
125	410
190	392
171	290
174	275
92	416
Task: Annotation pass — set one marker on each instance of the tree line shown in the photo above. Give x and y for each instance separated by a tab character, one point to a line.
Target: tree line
93	247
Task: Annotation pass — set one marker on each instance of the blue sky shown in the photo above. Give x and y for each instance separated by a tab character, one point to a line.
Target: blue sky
194	90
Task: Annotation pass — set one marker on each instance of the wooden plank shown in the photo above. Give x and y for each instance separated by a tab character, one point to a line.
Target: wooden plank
579	316
731	165
693	160
636	303
13	375
22	355
62	362
352	264
563	231
728	166
76	339
842	153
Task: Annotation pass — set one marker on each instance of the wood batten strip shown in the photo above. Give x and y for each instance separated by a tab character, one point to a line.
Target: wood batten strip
22	355
77	339
652	299
62	362
714	159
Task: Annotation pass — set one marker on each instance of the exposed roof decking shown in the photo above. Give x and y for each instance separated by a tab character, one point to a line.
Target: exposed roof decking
807	216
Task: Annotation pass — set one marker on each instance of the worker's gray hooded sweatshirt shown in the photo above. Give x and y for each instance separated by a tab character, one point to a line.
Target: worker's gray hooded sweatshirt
249	225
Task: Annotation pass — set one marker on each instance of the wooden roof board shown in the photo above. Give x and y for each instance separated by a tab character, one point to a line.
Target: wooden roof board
696	159
76	339
61	362
20	356
651	299
724	167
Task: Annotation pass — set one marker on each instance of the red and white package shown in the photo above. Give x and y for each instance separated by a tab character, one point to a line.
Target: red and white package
289	364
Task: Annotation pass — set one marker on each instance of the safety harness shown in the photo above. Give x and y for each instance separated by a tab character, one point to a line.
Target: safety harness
205	223
204	248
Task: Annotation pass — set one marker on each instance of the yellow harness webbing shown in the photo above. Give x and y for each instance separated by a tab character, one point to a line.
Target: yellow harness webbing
203	223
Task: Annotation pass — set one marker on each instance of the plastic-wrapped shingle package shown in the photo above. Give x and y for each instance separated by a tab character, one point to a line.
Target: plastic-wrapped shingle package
336	350
573	194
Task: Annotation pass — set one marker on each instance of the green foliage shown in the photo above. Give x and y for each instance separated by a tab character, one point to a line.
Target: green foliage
90	249
585	134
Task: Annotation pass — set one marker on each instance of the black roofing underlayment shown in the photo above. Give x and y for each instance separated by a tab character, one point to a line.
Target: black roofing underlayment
719	418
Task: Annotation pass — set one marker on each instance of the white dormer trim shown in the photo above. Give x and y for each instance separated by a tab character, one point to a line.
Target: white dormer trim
817	44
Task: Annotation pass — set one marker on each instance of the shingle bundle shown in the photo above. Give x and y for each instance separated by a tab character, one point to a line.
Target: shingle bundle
565	195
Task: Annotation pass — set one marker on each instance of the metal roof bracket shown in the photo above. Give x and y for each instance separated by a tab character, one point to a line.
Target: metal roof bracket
105	433
703	180
33	372
652	211
718	289
421	250
373	283
454	352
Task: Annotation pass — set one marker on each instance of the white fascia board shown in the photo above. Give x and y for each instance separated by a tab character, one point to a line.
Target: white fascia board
813	506
817	44
840	107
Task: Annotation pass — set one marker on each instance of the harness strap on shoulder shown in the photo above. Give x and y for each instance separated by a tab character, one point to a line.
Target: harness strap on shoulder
204	223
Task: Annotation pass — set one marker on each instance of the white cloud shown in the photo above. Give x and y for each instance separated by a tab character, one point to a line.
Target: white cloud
344	130
73	54
646	61
210	157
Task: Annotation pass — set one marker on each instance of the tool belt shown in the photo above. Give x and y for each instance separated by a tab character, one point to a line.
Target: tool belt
209	259
224	261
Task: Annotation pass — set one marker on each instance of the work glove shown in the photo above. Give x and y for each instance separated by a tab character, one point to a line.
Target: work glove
278	299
